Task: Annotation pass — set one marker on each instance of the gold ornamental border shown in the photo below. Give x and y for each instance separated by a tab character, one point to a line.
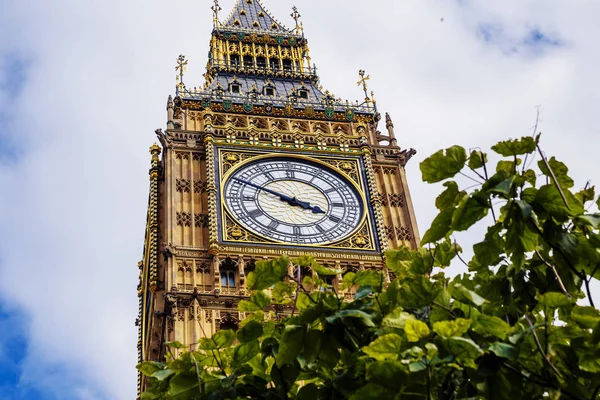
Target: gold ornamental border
316	160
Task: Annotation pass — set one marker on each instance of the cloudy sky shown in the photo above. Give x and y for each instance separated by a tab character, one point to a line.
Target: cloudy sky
84	84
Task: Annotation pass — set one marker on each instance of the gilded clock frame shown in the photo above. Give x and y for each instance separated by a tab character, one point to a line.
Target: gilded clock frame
229	159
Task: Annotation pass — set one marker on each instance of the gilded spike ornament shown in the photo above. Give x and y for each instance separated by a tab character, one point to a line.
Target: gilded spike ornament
181	68
215	9
257	162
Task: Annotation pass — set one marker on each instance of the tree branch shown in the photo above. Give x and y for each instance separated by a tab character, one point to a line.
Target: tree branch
537	120
589	291
539	346
553	268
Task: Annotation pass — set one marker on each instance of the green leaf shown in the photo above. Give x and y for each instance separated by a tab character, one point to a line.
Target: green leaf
585	195
592	220
554	300
447	329
282	291
220	340
528	176
463	349
417	292
267	273
162	375
148	368
504	188
477	159
550	199
176	345
183	385
515	147
389	374
443	165
396	319
508	167
560	171
586	317
590	362
251	331
416	330
257	302
312	345
372	391
489	251
386	347
440	227
290	344
469	211
488	325
245	352
368	278
450	197
504	350
358	314
308	392
152	394
324	271
464	295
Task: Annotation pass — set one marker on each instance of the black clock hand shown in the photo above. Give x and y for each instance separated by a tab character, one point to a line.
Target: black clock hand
290	200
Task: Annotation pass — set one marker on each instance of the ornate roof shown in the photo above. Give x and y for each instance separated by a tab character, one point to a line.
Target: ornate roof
251	15
256	62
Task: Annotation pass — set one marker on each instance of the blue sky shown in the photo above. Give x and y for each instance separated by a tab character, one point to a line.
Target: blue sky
84	84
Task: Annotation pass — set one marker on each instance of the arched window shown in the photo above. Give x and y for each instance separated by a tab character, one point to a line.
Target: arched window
228	279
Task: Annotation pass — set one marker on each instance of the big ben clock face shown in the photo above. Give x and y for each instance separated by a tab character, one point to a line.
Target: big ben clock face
293	200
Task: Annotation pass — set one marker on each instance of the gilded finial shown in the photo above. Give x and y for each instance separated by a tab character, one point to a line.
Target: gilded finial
155	151
363	81
296	16
216	8
181	63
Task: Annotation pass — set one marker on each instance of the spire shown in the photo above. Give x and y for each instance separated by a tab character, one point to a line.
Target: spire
250	14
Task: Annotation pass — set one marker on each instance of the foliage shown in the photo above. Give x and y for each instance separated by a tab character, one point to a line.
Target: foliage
512	328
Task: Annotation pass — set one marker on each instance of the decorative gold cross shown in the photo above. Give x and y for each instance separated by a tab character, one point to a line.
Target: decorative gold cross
296	16
181	63
363	81
216	8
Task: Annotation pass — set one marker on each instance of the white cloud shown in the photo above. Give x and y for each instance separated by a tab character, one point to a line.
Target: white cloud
73	208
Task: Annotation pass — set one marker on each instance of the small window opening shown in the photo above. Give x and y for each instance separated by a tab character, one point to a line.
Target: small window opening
235	60
248	62
303	93
287	65
237	22
270	91
255	24
261	14
274	27
261	62
274	62
235	88
243	12
228	279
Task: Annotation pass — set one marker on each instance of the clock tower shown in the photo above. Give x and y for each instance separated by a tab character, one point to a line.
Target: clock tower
260	162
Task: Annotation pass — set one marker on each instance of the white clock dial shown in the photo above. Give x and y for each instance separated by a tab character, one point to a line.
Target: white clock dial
293	200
